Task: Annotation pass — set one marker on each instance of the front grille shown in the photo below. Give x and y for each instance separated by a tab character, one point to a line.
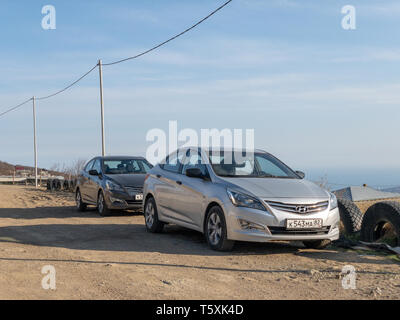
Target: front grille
284	231
299	208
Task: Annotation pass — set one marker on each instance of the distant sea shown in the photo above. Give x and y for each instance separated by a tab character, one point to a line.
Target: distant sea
340	178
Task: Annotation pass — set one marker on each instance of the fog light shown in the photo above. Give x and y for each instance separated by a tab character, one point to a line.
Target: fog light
247	225
116	201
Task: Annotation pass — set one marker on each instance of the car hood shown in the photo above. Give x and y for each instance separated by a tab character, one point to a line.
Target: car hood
135	180
278	188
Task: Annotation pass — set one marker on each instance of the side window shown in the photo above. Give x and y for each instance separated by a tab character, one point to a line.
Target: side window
194	161
89	166
173	162
146	166
97	166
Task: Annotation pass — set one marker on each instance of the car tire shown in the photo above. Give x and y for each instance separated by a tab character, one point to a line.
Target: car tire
102	205
79	204
317	244
350	216
150	213
215	230
381	223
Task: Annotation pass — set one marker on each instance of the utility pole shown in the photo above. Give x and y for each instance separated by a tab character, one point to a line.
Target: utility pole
34	141
103	144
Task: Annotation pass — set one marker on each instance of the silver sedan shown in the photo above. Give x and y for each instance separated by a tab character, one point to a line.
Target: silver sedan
236	195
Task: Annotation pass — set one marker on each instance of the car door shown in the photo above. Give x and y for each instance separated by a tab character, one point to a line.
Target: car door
95	181
191	201
167	190
84	181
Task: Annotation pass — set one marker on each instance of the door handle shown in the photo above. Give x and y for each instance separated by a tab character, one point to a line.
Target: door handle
179	182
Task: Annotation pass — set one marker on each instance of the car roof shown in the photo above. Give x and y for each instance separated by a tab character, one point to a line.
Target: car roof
207	149
120	157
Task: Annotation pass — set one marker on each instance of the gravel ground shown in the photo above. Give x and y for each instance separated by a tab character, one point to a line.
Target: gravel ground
115	258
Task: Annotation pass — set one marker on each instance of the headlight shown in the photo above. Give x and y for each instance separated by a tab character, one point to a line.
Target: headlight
112	186
332	201
244	200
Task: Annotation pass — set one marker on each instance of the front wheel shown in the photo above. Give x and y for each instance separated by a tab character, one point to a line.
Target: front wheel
102	205
216	232
317	244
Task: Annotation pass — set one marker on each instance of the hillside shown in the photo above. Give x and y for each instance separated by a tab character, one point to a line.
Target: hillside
394	189
7	169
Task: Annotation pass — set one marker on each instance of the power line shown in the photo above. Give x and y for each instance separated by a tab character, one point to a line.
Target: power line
119	61
170	39
49	96
15	107
69	86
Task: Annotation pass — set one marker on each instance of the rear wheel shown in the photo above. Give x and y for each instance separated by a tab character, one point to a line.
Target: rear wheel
216	231
151	217
102	205
317	244
78	199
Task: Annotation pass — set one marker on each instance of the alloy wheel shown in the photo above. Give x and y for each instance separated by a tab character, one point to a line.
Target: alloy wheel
149	214
214	228
78	199
100	205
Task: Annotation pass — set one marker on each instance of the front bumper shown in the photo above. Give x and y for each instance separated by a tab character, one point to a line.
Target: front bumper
273	225
122	201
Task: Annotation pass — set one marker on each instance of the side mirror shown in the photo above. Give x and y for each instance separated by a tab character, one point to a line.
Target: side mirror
194	173
93	172
301	174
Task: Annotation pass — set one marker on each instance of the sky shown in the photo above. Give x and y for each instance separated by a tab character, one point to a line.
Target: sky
322	99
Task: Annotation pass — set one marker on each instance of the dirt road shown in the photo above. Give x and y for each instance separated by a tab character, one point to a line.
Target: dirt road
114	258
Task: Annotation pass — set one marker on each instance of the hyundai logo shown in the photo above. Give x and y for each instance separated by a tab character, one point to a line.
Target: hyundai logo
301	209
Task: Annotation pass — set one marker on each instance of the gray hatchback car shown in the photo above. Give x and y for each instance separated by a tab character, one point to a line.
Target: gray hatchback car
232	195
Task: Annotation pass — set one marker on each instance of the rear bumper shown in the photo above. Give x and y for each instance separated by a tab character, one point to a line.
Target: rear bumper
271	226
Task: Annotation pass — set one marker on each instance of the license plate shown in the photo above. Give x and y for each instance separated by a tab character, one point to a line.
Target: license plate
139	197
303	223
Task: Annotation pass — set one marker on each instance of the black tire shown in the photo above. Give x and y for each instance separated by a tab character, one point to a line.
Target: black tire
79	204
381	223
215	230
150	213
317	244
52	185
56	185
350	216
102	208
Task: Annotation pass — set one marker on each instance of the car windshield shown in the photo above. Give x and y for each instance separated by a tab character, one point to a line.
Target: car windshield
126	166
242	164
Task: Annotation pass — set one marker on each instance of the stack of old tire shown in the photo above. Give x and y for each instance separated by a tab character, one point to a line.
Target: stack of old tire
380	220
61	184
